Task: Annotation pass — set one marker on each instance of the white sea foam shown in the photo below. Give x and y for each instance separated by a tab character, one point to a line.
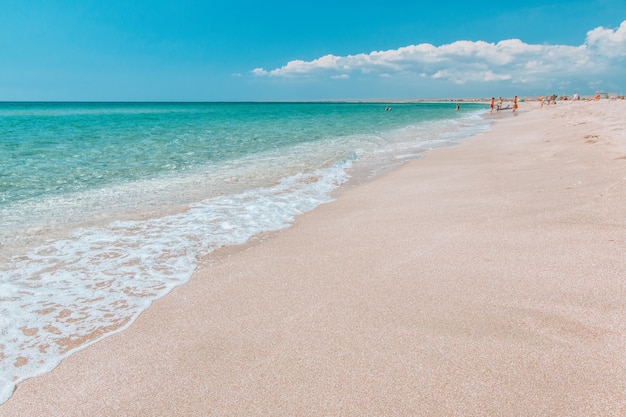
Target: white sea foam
68	293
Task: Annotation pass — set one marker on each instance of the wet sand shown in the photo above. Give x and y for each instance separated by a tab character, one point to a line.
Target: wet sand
487	279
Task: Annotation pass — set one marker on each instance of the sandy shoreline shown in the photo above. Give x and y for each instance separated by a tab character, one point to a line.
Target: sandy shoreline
486	279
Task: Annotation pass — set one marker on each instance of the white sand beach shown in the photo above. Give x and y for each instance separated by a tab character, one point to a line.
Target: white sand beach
487	279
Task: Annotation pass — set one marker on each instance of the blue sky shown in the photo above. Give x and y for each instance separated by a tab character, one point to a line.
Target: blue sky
233	50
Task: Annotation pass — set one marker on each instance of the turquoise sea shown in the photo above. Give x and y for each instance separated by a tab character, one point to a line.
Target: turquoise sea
105	207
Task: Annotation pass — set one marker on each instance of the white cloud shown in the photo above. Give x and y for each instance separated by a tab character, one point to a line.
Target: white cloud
466	61
611	43
298	67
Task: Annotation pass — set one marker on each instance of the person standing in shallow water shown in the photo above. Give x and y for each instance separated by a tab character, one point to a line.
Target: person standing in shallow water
491	104
514	104
499	104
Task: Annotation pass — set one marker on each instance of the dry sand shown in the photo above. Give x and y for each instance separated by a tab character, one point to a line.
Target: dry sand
487	279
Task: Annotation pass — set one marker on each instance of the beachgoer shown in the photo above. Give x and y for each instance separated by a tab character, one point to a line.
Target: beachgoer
499	104
491	105
514	103
595	98
458	106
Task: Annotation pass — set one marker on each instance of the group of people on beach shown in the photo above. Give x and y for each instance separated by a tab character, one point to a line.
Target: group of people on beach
551	99
611	97
499	107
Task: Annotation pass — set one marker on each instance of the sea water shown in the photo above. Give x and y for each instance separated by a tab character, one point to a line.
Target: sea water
105	207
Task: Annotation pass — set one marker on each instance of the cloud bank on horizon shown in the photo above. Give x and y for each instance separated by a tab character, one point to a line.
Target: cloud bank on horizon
463	62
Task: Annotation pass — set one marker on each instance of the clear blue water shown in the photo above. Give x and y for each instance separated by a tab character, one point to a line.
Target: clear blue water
105	207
